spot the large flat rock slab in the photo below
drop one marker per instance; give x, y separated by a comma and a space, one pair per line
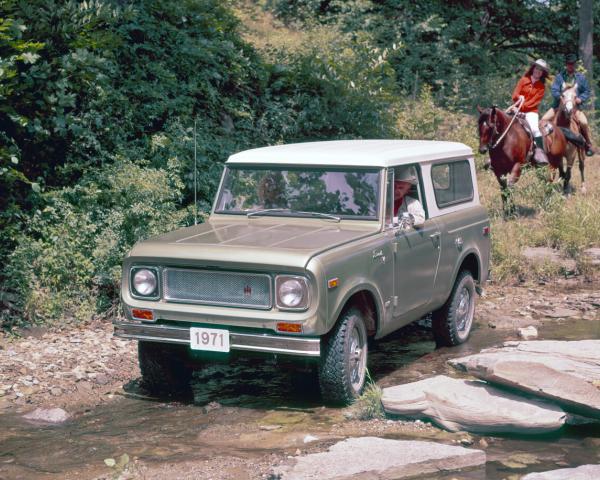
585, 472
541, 255
564, 372
471, 405
379, 458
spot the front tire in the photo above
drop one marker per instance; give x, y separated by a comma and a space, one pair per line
164, 369
343, 366
453, 321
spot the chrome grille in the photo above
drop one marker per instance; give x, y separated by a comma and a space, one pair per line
217, 288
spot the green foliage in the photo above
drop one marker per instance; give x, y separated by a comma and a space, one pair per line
67, 263
469, 52
115, 88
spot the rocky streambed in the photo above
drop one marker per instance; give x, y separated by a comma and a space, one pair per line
70, 407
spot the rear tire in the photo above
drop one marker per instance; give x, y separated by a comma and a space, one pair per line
453, 321
164, 369
343, 365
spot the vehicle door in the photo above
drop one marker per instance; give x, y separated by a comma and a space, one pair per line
464, 223
416, 257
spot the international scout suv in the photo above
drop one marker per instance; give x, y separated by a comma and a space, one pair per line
310, 250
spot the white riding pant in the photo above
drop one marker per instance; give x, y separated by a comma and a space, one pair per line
533, 119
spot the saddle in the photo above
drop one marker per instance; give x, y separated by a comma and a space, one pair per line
523, 122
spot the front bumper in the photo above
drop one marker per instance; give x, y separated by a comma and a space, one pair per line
279, 344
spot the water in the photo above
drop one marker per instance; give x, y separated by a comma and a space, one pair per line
256, 395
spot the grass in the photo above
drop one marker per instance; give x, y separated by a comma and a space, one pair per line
368, 406
544, 218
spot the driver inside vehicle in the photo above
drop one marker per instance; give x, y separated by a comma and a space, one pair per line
408, 210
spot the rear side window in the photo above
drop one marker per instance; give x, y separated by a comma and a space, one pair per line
452, 183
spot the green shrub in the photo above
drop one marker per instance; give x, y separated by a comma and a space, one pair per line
67, 264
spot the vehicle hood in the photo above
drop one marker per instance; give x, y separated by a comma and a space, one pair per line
256, 241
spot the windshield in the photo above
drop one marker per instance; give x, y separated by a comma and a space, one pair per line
289, 191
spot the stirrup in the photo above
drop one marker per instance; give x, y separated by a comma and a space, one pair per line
588, 150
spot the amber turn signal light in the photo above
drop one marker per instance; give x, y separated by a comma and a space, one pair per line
141, 314
289, 327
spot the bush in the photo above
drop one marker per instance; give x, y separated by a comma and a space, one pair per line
67, 264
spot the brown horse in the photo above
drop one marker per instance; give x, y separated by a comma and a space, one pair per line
508, 144
569, 149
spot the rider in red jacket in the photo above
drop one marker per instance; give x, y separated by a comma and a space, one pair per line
530, 90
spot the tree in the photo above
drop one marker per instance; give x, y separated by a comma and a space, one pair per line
586, 50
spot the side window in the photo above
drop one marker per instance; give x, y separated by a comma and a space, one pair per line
452, 183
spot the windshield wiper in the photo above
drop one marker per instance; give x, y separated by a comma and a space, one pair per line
312, 214
267, 210
323, 215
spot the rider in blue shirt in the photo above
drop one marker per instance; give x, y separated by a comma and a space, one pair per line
568, 77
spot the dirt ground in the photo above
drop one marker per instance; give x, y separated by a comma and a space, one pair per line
82, 368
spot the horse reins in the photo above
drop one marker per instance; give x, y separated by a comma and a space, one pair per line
520, 103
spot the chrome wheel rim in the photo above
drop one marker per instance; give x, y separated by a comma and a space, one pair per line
464, 313
357, 359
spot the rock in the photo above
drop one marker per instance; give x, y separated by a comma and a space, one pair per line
592, 255
562, 313
52, 415
209, 407
310, 438
102, 379
473, 406
563, 372
269, 428
55, 391
528, 332
510, 322
370, 457
541, 255
585, 472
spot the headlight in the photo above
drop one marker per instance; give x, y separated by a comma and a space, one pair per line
144, 282
292, 292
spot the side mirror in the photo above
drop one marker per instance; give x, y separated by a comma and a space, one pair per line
404, 222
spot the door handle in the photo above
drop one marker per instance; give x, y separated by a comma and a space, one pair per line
435, 238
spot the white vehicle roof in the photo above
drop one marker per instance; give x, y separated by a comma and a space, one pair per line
354, 153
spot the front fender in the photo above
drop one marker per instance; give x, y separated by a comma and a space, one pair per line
359, 284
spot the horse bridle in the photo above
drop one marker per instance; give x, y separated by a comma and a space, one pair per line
494, 127
495, 130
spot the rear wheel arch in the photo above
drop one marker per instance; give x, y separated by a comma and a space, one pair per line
472, 264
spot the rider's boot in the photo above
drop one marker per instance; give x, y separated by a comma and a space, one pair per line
585, 131
539, 156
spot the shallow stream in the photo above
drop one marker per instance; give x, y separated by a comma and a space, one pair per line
254, 411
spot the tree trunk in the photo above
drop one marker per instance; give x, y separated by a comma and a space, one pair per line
586, 29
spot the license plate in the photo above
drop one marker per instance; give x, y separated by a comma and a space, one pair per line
209, 339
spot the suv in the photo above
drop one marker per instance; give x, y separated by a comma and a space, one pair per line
307, 254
